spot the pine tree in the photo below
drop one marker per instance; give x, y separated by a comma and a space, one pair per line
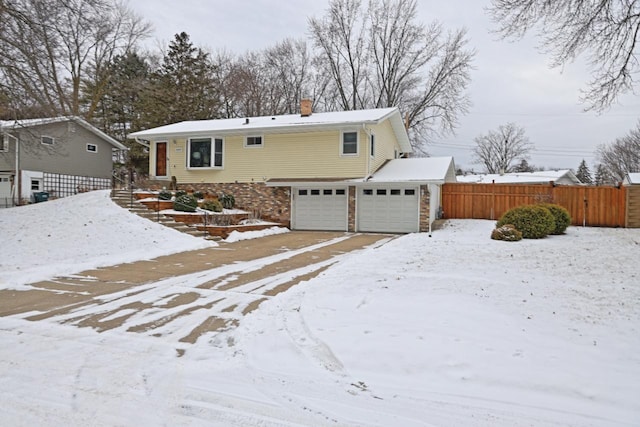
523, 166
603, 177
183, 88
583, 173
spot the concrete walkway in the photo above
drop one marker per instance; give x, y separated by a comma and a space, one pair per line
185, 295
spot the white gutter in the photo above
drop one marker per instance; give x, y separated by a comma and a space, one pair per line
141, 142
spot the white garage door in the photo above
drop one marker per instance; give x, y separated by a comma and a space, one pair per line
320, 209
389, 210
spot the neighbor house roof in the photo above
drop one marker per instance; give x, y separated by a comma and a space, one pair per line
632, 178
428, 169
283, 123
564, 176
18, 124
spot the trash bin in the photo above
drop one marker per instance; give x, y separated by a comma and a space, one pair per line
41, 196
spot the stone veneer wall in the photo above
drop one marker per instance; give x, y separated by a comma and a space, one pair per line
272, 203
425, 198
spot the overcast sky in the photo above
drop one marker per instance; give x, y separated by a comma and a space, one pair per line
511, 82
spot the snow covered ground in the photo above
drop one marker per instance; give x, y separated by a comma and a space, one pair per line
451, 330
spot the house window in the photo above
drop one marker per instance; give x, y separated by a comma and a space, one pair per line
205, 153
92, 148
4, 143
372, 145
35, 185
349, 143
47, 140
253, 141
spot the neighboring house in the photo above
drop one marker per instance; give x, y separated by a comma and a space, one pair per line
58, 155
559, 177
632, 183
314, 171
632, 178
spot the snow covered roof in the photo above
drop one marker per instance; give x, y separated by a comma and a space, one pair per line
283, 123
427, 169
564, 176
632, 178
17, 124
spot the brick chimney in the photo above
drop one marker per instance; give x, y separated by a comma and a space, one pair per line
305, 107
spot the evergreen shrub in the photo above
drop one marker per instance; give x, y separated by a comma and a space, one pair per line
560, 215
185, 203
212, 205
164, 195
198, 194
180, 193
533, 221
228, 201
507, 232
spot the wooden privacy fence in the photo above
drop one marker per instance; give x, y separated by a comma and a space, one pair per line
593, 206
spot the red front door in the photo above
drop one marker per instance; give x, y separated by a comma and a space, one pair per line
161, 159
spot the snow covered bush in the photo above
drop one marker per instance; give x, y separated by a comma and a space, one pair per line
164, 195
560, 215
507, 232
533, 221
185, 203
212, 205
198, 194
180, 193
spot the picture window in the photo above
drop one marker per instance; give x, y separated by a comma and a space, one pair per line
205, 153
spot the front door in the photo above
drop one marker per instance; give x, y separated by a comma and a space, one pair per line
161, 159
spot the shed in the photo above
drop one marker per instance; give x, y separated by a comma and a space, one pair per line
632, 183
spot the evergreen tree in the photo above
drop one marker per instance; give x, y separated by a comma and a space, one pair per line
583, 173
603, 177
183, 88
523, 166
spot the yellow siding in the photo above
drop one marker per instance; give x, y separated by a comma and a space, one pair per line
291, 156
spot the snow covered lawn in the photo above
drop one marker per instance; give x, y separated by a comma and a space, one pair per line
451, 330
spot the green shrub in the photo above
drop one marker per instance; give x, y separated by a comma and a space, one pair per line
212, 205
180, 193
164, 195
533, 221
507, 232
198, 195
185, 203
561, 217
228, 201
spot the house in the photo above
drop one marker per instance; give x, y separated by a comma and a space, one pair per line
58, 155
559, 177
314, 171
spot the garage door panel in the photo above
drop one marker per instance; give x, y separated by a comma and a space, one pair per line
320, 209
394, 210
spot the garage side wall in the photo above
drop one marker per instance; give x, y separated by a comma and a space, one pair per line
425, 200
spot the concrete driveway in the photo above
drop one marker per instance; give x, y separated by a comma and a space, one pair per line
186, 295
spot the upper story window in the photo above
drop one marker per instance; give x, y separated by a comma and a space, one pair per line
205, 153
4, 142
349, 144
47, 140
92, 148
253, 141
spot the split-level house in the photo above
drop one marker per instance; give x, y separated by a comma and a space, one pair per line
58, 155
313, 171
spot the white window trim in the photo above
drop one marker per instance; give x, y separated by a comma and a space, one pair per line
213, 154
246, 145
357, 153
53, 140
92, 151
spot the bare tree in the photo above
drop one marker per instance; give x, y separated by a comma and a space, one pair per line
621, 156
341, 37
383, 57
499, 149
606, 30
51, 48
